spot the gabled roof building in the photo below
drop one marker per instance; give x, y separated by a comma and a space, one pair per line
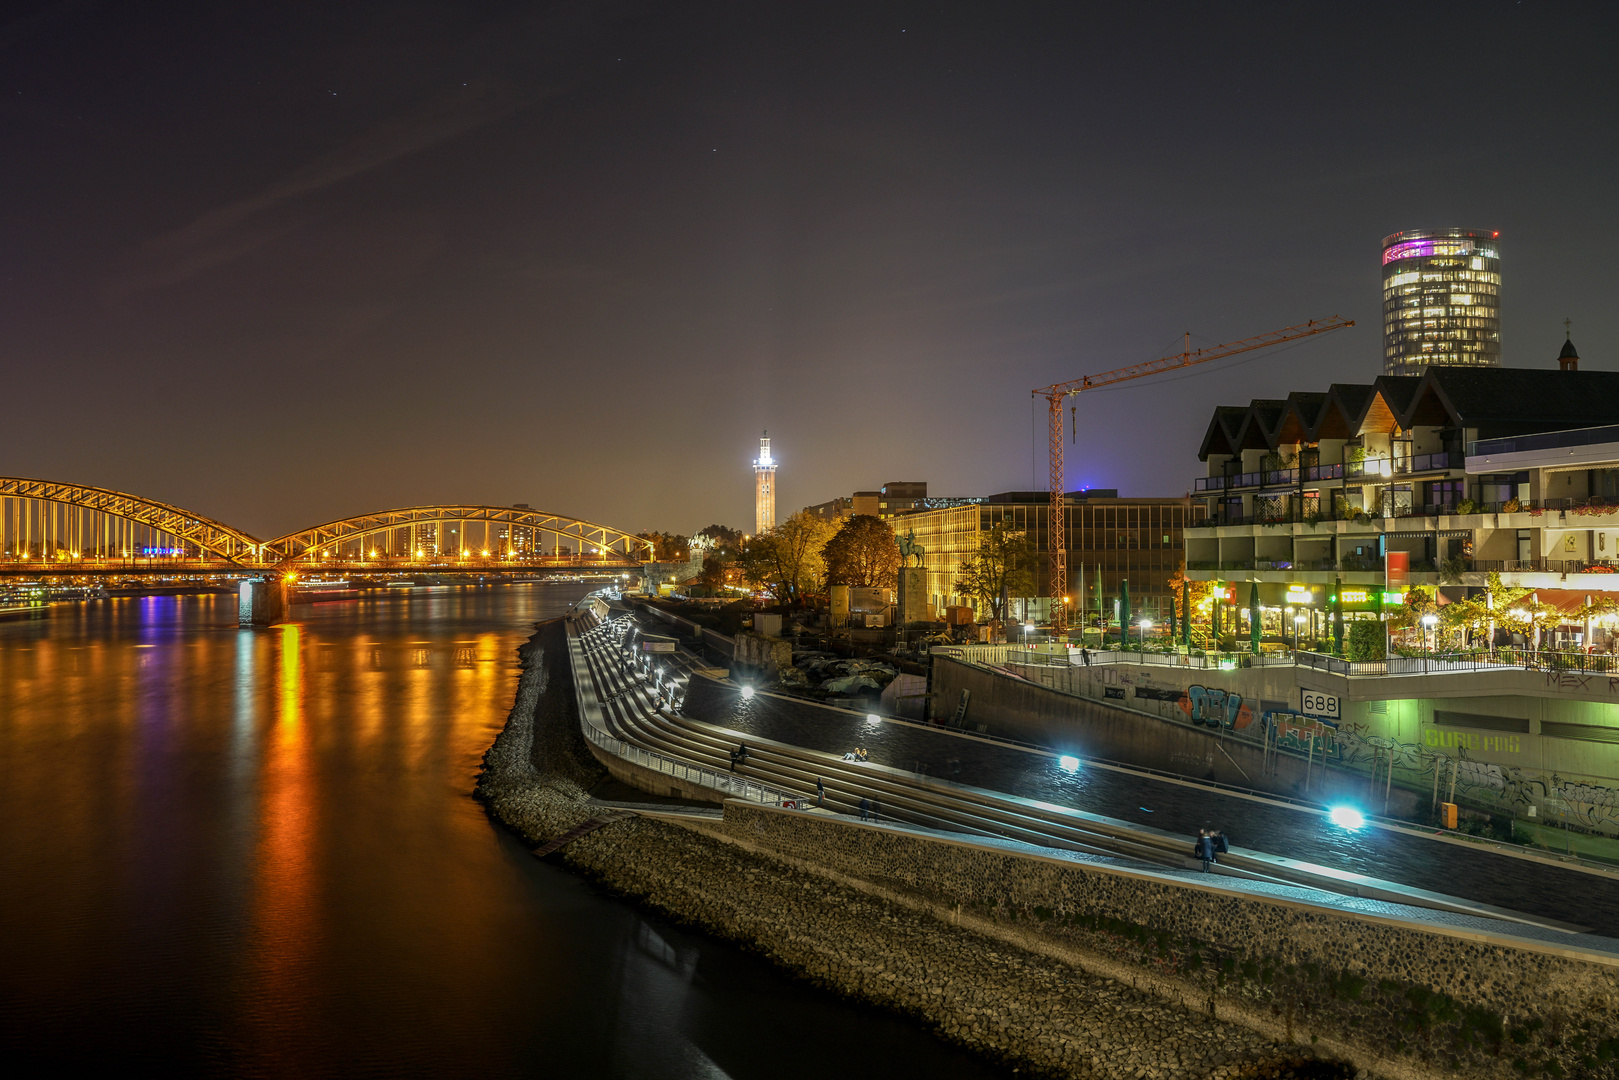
1465, 469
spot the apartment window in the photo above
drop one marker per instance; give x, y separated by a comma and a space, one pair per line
1445, 492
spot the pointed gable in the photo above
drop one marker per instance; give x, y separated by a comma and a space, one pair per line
1259, 425
1221, 437
1343, 411
1299, 418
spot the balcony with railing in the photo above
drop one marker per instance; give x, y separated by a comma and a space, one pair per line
1550, 440
1268, 478
1421, 463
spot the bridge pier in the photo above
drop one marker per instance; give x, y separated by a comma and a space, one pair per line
261, 602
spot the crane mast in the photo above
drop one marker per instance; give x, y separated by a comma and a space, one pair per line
1057, 393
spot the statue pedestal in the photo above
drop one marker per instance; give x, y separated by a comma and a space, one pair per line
913, 604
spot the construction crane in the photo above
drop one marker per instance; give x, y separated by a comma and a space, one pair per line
1057, 393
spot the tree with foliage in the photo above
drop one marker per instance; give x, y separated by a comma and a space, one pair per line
667, 547
1365, 641
863, 552
727, 542
1509, 608
712, 576
1003, 565
1201, 608
1420, 600
787, 561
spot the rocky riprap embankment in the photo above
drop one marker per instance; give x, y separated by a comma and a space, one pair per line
1030, 1011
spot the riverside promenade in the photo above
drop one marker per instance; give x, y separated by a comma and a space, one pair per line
1554, 891
1245, 947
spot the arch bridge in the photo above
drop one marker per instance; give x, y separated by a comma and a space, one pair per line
47, 527
429, 533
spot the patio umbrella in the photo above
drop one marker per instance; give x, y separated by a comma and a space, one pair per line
1124, 612
1338, 616
1253, 618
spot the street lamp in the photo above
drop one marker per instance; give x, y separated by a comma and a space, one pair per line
1026, 628
1430, 621
1298, 625
1145, 624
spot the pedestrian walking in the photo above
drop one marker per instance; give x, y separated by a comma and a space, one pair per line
1085, 655
865, 808
820, 792
733, 761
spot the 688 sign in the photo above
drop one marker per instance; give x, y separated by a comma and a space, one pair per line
1315, 703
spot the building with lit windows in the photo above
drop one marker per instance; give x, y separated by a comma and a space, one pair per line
1441, 300
1456, 474
1110, 541
892, 499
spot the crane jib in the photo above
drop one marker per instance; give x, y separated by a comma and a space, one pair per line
1057, 393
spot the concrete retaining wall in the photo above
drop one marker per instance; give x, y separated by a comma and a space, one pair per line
1451, 999
1019, 708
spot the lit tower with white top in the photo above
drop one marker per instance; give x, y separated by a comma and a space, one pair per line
764, 488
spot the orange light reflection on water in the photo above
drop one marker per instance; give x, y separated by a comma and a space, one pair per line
282, 947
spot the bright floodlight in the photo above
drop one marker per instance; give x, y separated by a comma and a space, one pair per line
747, 692
1346, 817
1068, 763
872, 718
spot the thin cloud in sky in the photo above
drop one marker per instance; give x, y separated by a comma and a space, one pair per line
235, 229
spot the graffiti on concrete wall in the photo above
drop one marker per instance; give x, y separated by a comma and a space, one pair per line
1510, 788
1351, 745
1297, 733
1215, 707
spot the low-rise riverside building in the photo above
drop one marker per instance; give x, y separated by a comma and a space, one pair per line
1460, 471
1131, 539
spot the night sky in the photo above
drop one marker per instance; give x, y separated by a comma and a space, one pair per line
283, 263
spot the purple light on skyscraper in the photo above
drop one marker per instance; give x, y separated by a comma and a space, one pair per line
1411, 249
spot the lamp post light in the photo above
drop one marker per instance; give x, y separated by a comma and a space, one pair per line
1429, 621
1145, 624
1026, 628
1298, 625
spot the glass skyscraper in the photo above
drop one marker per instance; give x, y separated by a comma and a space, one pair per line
1441, 299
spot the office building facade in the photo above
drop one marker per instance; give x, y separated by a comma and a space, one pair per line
1441, 300
1110, 541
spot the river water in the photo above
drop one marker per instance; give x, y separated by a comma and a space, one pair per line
253, 853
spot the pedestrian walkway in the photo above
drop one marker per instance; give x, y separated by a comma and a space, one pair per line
1561, 893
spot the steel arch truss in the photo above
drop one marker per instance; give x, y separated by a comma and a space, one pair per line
589, 536
213, 537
